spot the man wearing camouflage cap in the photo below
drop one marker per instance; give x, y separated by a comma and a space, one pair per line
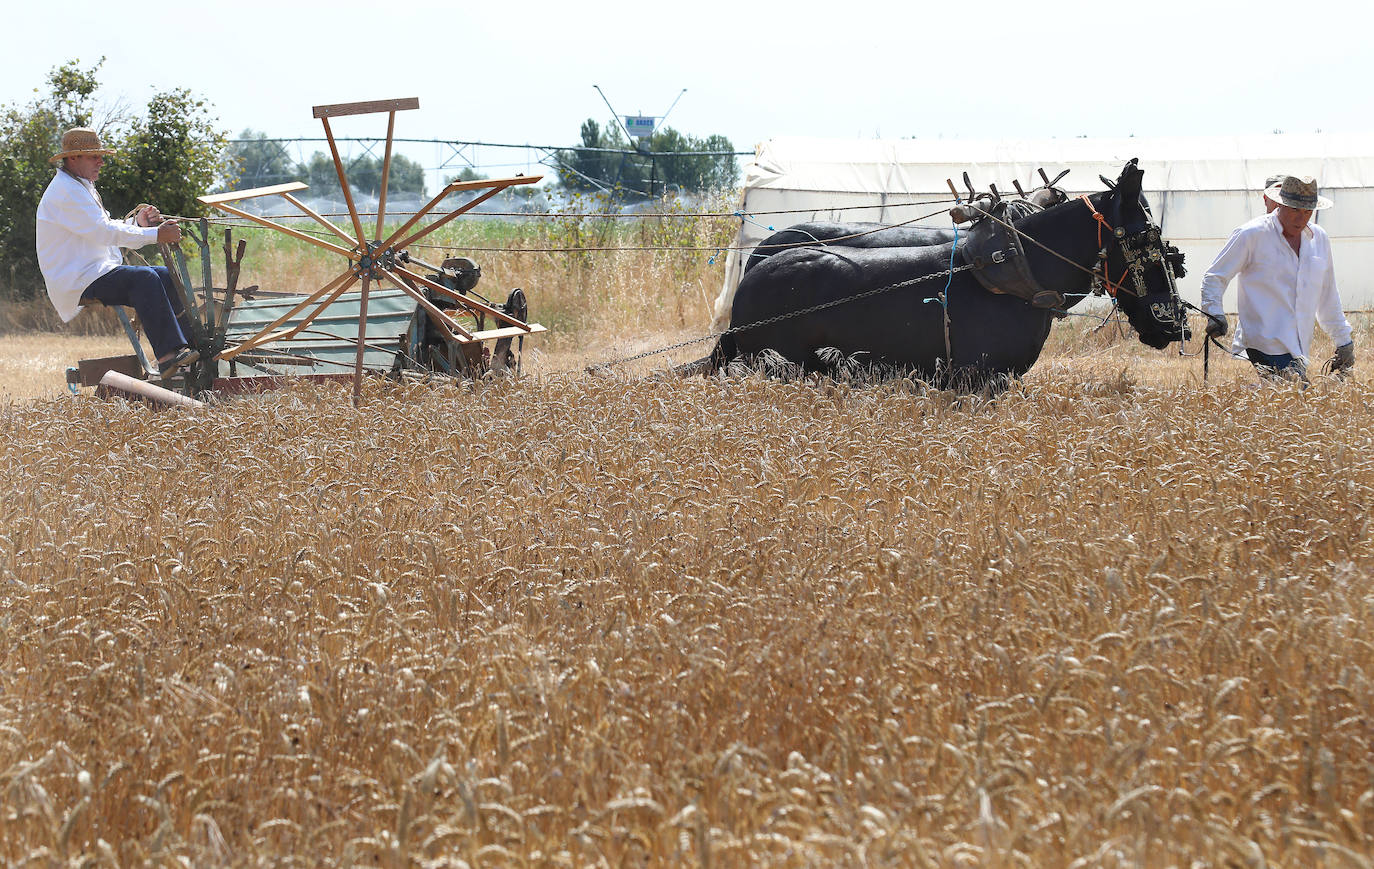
79, 251
1287, 285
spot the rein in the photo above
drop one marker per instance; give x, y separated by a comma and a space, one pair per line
1208, 342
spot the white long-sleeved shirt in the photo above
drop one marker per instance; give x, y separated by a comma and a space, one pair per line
1281, 294
78, 242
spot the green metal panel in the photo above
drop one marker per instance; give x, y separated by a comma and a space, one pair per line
331, 338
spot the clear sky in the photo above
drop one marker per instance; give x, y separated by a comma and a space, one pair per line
524, 71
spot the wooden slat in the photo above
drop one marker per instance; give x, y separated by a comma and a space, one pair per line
252, 193
455, 186
386, 175
264, 335
343, 185
507, 332
319, 218
353, 256
334, 110
310, 318
466, 207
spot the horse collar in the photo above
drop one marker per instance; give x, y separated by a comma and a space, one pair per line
998, 257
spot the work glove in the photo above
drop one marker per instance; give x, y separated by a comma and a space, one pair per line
1216, 326
1343, 361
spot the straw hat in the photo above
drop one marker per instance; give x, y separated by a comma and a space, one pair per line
78, 141
1298, 192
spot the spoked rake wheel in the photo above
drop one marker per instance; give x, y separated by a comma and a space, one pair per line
374, 257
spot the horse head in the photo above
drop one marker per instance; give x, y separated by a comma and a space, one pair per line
1136, 266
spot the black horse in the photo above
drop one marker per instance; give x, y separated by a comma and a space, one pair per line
949, 329
827, 233
823, 234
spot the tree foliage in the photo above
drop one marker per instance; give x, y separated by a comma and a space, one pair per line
167, 156
364, 175
259, 161
28, 137
667, 159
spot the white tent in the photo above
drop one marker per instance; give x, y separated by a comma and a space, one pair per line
1198, 188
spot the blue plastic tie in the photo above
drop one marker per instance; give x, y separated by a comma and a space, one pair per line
747, 219
943, 298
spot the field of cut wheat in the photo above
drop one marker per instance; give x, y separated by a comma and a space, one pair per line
1115, 617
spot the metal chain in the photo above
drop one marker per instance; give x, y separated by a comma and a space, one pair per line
777, 318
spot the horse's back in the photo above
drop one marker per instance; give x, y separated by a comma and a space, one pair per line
855, 235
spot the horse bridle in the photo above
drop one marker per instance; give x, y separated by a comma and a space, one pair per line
1140, 250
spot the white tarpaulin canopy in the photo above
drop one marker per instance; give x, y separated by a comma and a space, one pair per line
1198, 188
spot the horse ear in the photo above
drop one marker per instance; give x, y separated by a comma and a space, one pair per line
1128, 185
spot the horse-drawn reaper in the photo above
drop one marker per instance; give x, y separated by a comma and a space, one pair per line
964, 312
423, 318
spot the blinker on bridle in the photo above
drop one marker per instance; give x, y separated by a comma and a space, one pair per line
1139, 251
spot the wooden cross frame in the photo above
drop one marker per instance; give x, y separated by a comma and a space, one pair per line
376, 258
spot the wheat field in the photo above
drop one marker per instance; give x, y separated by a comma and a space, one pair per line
1115, 617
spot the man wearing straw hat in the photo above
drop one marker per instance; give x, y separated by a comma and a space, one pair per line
79, 251
1287, 284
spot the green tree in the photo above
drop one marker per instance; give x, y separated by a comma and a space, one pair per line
168, 156
680, 161
364, 175
260, 161
29, 136
606, 161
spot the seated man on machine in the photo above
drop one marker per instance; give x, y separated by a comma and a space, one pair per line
79, 252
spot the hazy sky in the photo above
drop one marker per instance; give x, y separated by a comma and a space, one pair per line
523, 71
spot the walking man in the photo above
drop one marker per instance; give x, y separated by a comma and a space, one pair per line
79, 251
1269, 204
1286, 285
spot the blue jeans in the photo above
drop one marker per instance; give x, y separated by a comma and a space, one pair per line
149, 291
1281, 366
